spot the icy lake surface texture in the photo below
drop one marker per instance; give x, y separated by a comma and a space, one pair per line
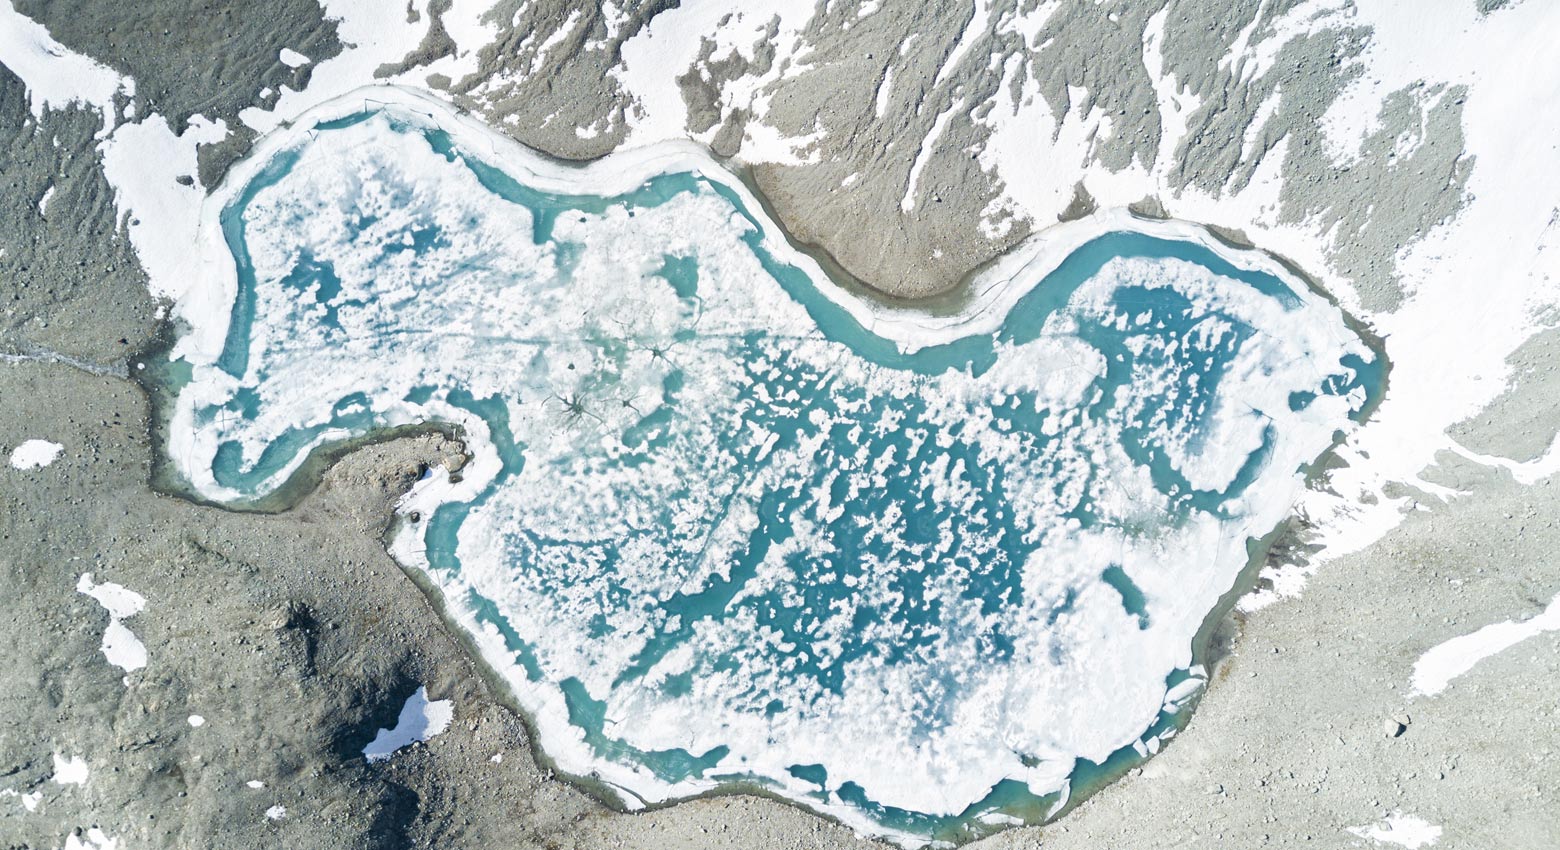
719, 530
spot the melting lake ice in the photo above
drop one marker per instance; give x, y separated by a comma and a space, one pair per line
719, 530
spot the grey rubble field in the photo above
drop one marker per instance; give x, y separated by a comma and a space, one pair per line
296, 637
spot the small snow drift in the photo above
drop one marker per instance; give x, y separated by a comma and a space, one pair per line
70, 771
91, 839
120, 645
1410, 831
420, 720
35, 454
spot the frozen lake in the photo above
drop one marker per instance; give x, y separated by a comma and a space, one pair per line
726, 523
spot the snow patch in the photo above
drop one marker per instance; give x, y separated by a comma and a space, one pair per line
973, 30
465, 23
924, 155
293, 59
669, 46
29, 801
142, 162
70, 770
35, 454
120, 646
420, 720
91, 839
54, 76
1436, 669
885, 93
376, 37
1408, 831
1176, 102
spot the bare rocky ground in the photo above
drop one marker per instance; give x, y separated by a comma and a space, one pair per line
296, 637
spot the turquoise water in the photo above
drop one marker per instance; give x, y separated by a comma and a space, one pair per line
850, 527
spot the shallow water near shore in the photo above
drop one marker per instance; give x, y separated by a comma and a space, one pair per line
725, 532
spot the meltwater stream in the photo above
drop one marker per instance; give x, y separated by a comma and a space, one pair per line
720, 531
